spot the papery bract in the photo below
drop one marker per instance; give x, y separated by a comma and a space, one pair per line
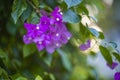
50, 33
117, 76
85, 46
113, 66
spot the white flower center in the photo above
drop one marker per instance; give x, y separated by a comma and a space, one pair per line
57, 19
57, 34
61, 13
57, 44
29, 38
68, 38
40, 42
37, 26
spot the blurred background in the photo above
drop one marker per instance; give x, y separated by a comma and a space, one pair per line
11, 45
109, 23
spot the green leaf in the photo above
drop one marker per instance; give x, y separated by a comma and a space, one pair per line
84, 32
94, 32
117, 56
38, 77
48, 59
82, 9
34, 18
113, 44
28, 50
2, 54
106, 54
21, 78
36, 2
71, 17
26, 13
19, 6
71, 3
52, 77
4, 57
3, 74
65, 60
101, 35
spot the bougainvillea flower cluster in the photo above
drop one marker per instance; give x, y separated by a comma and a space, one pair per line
117, 76
50, 33
85, 46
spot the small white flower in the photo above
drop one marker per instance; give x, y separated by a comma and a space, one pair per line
40, 42
57, 44
57, 19
57, 34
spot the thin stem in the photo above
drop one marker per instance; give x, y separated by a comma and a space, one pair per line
33, 6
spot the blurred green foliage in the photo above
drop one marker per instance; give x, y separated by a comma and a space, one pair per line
19, 61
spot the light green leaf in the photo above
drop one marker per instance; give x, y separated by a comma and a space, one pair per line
71, 17
51, 76
106, 54
117, 56
28, 50
19, 6
71, 3
38, 77
21, 78
65, 60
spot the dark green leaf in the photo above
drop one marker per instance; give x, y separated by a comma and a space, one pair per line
3, 74
106, 54
65, 60
34, 18
84, 32
71, 3
92, 53
19, 6
36, 2
71, 17
48, 59
117, 56
101, 35
4, 57
82, 9
26, 13
28, 50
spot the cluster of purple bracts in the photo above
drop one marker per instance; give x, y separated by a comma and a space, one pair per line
50, 33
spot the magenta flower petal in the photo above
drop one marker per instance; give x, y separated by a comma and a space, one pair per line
29, 26
113, 66
40, 46
85, 46
117, 76
27, 39
50, 33
50, 48
88, 43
